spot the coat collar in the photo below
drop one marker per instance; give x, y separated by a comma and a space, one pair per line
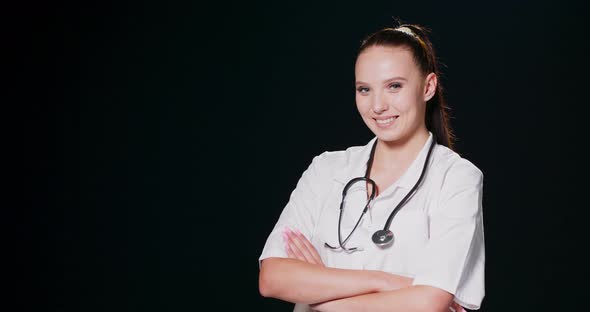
357, 165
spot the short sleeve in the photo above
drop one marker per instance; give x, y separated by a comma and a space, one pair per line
300, 212
454, 257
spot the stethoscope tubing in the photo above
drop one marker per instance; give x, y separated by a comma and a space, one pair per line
382, 237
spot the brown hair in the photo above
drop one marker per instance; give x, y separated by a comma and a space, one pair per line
416, 39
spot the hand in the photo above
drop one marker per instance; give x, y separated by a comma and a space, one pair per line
298, 247
455, 307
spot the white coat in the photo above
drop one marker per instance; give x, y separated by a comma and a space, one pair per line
438, 233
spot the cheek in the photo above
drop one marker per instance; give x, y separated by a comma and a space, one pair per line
362, 103
407, 102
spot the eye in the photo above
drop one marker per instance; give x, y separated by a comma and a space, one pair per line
362, 90
395, 86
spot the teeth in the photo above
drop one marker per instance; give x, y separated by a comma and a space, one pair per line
388, 120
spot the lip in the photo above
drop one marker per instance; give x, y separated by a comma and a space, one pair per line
387, 117
386, 125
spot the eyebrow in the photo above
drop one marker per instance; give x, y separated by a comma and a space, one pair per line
384, 82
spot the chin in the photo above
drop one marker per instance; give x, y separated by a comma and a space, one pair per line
386, 135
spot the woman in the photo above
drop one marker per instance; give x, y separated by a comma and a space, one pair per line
409, 232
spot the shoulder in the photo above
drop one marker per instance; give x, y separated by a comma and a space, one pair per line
460, 185
456, 170
333, 161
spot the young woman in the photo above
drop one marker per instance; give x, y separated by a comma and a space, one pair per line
396, 224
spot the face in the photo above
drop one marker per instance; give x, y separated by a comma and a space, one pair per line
391, 92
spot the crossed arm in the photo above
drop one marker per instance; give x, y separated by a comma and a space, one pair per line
304, 278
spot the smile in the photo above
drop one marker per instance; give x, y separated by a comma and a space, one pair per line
385, 122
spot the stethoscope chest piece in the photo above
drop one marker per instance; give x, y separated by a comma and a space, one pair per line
383, 238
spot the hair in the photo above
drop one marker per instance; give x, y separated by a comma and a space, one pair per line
417, 41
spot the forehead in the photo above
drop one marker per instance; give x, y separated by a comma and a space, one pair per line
379, 62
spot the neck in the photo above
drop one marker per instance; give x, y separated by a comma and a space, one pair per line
399, 153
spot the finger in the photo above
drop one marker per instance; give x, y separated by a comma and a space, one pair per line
298, 247
294, 245
291, 248
288, 250
310, 248
306, 248
456, 307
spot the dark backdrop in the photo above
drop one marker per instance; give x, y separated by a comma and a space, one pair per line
163, 139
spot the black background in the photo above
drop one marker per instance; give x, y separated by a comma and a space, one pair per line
163, 139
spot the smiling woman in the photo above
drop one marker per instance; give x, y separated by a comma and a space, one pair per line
396, 224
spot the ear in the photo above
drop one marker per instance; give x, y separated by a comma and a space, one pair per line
430, 85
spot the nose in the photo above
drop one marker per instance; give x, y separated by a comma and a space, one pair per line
379, 105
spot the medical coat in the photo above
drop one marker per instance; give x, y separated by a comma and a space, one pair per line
438, 233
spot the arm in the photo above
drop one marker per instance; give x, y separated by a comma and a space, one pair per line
299, 249
410, 299
303, 277
298, 281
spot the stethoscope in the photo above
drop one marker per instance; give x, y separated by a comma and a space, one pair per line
382, 238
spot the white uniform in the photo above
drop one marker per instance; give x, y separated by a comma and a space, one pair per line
438, 233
